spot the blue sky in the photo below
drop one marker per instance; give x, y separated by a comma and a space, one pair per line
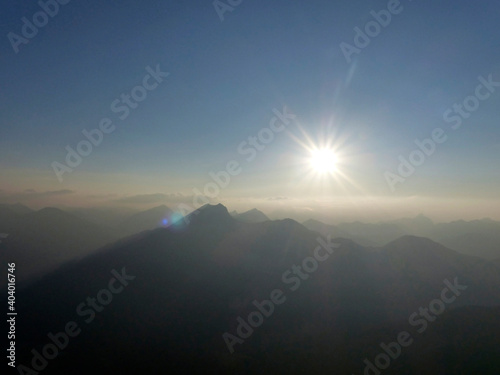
225, 80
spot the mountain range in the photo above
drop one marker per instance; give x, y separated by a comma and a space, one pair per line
477, 237
43, 240
188, 287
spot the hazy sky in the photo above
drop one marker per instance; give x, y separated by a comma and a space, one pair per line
228, 79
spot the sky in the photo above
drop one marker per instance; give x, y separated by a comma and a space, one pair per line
201, 77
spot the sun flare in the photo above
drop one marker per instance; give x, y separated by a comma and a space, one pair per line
323, 161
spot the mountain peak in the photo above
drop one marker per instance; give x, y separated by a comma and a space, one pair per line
211, 218
213, 208
209, 212
422, 218
252, 216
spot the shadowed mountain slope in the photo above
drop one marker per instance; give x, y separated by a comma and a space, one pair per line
189, 283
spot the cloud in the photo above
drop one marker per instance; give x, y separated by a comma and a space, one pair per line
29, 194
102, 196
50, 193
277, 198
156, 198
143, 199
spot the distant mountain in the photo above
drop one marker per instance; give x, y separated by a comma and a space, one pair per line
417, 226
109, 217
186, 285
378, 233
251, 216
425, 262
326, 229
485, 245
150, 219
477, 237
17, 208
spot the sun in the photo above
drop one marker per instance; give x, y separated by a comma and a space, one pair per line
323, 161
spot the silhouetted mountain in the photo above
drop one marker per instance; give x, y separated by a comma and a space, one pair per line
189, 283
251, 216
108, 217
378, 233
332, 230
17, 208
478, 237
210, 216
41, 240
417, 226
7, 218
424, 262
150, 219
